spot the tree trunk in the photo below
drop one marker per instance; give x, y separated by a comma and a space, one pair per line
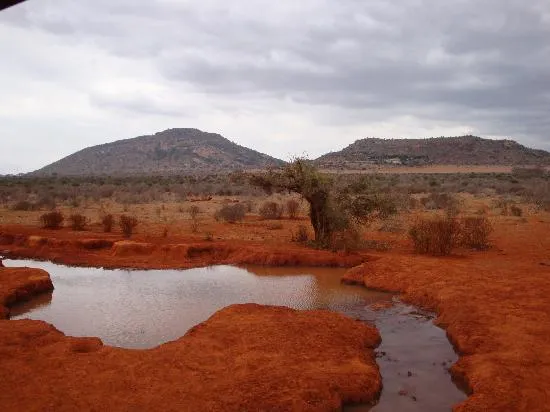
318, 206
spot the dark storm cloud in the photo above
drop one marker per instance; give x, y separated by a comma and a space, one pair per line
482, 63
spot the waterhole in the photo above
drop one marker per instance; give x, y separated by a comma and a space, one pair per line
144, 308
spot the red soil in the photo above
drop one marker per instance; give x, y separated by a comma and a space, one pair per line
20, 284
244, 358
112, 251
493, 304
495, 307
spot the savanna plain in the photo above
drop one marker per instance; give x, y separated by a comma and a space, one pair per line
472, 247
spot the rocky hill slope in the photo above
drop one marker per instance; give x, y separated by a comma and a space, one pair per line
169, 152
463, 150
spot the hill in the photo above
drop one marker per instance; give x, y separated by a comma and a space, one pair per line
169, 152
463, 150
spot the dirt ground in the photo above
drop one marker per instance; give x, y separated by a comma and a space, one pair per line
494, 304
495, 307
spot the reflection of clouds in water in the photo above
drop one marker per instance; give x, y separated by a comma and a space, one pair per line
142, 308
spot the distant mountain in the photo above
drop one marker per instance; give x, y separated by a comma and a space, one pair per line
169, 152
463, 150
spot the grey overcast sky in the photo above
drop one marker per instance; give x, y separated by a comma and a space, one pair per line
283, 77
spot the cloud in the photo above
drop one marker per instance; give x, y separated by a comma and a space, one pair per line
316, 73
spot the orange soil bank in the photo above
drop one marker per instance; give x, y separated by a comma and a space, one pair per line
244, 358
114, 252
495, 307
20, 284
493, 304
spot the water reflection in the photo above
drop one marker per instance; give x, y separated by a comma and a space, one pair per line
44, 299
144, 308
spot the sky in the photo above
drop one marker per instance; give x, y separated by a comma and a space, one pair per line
282, 77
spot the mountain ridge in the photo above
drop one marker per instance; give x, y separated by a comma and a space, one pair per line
191, 151
459, 150
172, 151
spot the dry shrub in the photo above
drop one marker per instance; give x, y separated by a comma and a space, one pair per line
528, 172
292, 207
231, 213
435, 236
52, 220
392, 226
46, 202
271, 210
128, 224
194, 211
504, 205
439, 235
249, 205
108, 221
541, 197
301, 235
78, 221
23, 206
439, 201
516, 211
475, 232
347, 240
378, 245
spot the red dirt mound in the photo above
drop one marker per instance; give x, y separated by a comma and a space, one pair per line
20, 284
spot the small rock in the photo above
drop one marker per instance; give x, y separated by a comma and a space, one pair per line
403, 392
409, 374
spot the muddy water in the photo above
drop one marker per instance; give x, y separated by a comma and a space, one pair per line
142, 309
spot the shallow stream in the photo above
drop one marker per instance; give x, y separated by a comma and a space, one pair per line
145, 308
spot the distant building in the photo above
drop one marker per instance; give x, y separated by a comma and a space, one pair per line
393, 161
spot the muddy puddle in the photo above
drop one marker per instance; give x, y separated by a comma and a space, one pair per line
144, 308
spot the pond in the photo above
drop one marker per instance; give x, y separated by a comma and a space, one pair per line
144, 308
